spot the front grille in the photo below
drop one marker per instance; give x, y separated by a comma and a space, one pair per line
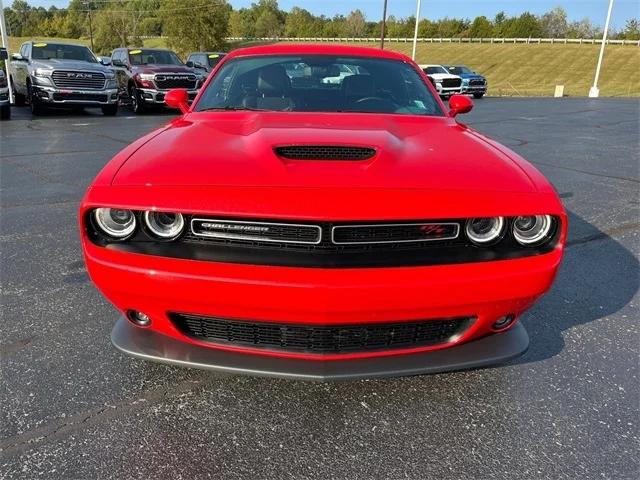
324, 237
394, 233
451, 82
172, 80
324, 152
321, 339
476, 82
86, 97
78, 80
229, 230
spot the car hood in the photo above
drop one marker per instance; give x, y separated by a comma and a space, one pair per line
61, 64
237, 149
471, 76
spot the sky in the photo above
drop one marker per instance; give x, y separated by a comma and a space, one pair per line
595, 10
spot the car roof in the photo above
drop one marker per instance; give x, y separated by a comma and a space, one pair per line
208, 53
316, 49
56, 42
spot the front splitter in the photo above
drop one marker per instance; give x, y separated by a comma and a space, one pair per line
149, 345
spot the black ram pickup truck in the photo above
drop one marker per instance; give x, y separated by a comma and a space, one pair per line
145, 75
46, 74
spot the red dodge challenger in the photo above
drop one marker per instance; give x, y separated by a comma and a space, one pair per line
319, 213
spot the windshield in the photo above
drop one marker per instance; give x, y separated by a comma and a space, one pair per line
214, 58
459, 70
319, 83
432, 70
46, 51
157, 57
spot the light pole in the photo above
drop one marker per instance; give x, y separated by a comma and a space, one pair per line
594, 91
384, 25
87, 4
415, 32
5, 44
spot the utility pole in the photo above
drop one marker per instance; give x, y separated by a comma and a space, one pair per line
384, 25
594, 92
5, 44
87, 4
415, 32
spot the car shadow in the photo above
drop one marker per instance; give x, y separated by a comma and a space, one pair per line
598, 277
23, 113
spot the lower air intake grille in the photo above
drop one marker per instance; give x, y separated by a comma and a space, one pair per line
324, 152
335, 339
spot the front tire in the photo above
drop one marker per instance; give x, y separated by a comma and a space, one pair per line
137, 104
5, 112
36, 107
478, 95
110, 110
18, 98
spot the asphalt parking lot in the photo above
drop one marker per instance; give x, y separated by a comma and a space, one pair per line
75, 408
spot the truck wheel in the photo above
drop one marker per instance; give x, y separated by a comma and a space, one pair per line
137, 104
478, 95
5, 112
110, 110
18, 99
36, 107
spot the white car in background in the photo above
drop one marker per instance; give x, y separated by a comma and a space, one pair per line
446, 83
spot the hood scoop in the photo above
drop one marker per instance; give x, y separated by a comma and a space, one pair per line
324, 152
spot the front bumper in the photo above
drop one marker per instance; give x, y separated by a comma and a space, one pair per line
447, 90
152, 96
159, 285
149, 345
474, 89
4, 97
59, 96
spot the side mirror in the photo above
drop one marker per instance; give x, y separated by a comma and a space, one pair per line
17, 57
459, 104
190, 64
177, 98
199, 65
106, 61
3, 54
117, 63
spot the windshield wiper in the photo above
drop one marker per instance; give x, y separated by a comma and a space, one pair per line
230, 108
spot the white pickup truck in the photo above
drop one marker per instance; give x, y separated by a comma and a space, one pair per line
446, 83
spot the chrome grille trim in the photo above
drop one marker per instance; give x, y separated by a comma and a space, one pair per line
73, 79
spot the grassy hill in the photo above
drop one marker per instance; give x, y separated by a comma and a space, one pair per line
520, 69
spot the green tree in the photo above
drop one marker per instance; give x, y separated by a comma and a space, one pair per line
631, 30
526, 25
269, 19
481, 27
242, 23
300, 23
192, 25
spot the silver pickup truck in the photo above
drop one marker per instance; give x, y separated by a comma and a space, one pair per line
46, 74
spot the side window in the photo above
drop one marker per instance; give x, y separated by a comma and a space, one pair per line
23, 50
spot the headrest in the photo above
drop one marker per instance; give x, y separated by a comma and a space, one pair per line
358, 86
273, 81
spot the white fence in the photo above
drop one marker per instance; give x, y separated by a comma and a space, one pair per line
588, 41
